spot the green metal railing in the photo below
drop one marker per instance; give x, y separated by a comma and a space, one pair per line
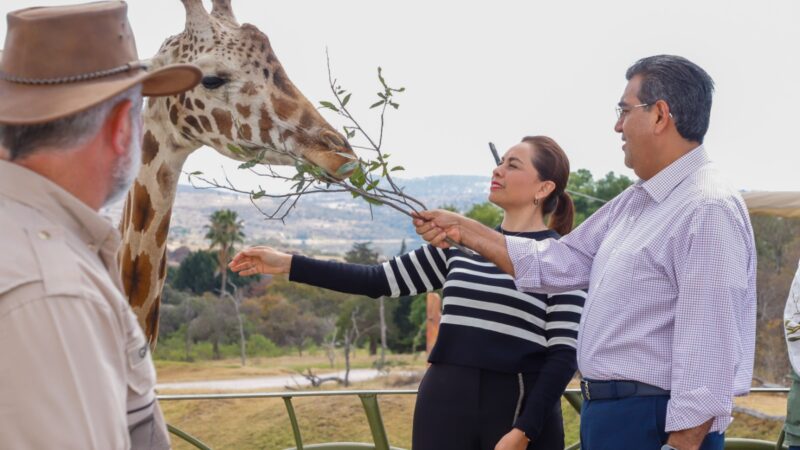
380, 440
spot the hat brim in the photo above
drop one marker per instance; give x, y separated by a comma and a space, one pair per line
25, 104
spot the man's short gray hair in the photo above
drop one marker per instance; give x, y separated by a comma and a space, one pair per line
67, 132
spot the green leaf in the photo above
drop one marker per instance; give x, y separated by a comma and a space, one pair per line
373, 201
397, 168
372, 185
357, 178
257, 195
236, 150
248, 164
329, 105
380, 77
395, 105
351, 134
196, 172
375, 105
346, 99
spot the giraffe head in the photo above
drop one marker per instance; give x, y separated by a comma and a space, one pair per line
245, 103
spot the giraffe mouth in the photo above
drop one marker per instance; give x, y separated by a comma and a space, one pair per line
333, 154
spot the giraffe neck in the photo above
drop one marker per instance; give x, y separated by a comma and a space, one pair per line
146, 216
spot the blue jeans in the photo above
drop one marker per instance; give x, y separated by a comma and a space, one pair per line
632, 423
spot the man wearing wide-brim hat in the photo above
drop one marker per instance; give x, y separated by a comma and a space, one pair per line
75, 371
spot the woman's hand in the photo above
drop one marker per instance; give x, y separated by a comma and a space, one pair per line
513, 440
436, 225
260, 259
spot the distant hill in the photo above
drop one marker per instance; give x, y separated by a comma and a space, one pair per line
327, 223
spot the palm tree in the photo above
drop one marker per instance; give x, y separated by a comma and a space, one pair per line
224, 232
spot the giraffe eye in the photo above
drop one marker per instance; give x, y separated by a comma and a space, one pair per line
212, 82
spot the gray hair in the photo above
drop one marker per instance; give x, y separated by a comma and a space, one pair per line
68, 132
684, 85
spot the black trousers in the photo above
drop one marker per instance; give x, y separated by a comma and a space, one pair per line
462, 408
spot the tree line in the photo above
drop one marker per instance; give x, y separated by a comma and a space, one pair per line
209, 312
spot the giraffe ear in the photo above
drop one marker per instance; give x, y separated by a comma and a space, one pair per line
196, 14
222, 10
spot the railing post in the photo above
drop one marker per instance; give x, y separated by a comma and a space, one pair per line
370, 402
575, 400
188, 437
293, 420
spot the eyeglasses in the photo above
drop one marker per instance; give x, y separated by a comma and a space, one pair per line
623, 111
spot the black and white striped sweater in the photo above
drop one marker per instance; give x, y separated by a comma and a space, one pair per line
486, 322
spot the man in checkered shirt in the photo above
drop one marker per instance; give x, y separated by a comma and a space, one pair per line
667, 336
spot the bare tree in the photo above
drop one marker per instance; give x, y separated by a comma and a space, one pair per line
351, 336
330, 342
382, 314
236, 299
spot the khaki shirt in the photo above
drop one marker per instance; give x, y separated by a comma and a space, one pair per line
75, 370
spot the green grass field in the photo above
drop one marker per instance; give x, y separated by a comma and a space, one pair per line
264, 424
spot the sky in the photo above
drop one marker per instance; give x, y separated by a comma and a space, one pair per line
498, 71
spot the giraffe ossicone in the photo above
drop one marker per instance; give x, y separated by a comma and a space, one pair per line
246, 106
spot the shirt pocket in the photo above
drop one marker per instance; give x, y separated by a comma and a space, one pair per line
141, 373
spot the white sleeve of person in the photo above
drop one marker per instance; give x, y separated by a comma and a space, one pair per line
791, 322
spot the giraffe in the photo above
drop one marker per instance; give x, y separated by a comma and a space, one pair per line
244, 105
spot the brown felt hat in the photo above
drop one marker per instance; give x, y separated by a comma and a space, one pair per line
61, 60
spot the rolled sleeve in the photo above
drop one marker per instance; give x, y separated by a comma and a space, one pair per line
552, 266
708, 343
524, 256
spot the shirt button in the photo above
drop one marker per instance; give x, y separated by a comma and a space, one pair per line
44, 235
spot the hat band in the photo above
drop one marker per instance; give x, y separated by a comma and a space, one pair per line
74, 78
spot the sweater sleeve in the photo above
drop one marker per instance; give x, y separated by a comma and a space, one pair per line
563, 316
412, 273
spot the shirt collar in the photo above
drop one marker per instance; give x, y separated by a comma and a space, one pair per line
28, 187
662, 183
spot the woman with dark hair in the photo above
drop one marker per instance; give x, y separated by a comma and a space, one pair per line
502, 358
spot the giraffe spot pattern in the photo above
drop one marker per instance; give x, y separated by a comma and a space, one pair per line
136, 277
163, 229
142, 212
206, 123
149, 148
284, 108
282, 82
194, 123
264, 125
173, 115
249, 88
243, 110
199, 104
224, 121
306, 120
151, 322
245, 132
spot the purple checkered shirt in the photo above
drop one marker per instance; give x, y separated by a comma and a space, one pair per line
670, 265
